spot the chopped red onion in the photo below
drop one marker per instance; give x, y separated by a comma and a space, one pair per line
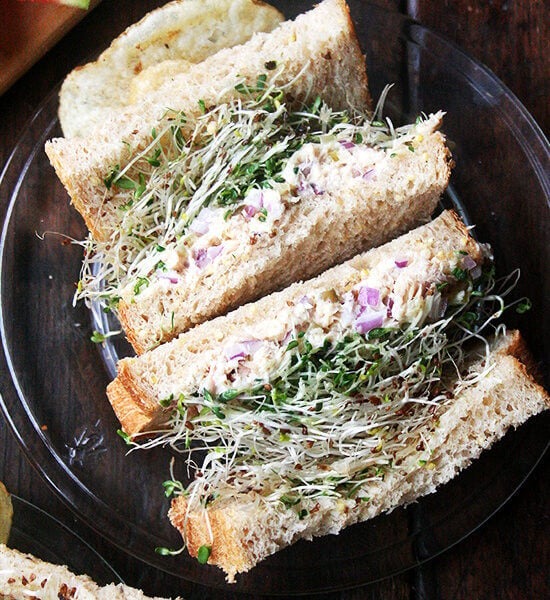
347, 144
368, 175
201, 223
389, 303
242, 349
439, 306
370, 321
170, 276
468, 263
476, 272
250, 211
368, 296
316, 189
204, 256
305, 168
254, 201
401, 263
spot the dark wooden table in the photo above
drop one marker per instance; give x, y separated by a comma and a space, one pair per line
509, 556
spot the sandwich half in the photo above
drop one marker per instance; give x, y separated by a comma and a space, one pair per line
317, 54
248, 218
23, 577
164, 44
334, 400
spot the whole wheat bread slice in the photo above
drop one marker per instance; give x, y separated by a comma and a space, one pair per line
318, 53
160, 46
242, 530
142, 381
23, 576
351, 216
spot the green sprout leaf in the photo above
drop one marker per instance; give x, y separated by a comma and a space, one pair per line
204, 554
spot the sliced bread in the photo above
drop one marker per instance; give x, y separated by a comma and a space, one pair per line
159, 47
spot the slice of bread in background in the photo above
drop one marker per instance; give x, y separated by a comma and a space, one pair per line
160, 46
22, 576
318, 53
242, 530
316, 233
142, 381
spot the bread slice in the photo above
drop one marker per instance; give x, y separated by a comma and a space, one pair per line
183, 363
319, 231
23, 576
318, 54
160, 46
242, 530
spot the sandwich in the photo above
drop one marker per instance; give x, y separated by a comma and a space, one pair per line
23, 576
270, 183
164, 44
317, 54
334, 400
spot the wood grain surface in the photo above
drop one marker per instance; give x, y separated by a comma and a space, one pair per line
508, 557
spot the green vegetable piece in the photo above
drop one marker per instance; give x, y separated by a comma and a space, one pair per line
170, 487
289, 501
141, 281
524, 306
218, 412
378, 332
459, 273
141, 187
97, 337
124, 436
166, 402
270, 65
125, 183
227, 395
204, 554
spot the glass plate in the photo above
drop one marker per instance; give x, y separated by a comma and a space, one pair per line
58, 376
36, 532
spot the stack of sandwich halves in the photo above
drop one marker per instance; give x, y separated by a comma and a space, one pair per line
216, 171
